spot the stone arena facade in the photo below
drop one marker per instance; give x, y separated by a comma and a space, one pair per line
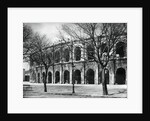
85, 70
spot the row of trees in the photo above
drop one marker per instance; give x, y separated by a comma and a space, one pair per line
102, 38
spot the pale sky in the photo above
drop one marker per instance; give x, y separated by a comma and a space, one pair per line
49, 29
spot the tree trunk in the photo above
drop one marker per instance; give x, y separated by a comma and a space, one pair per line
45, 88
104, 85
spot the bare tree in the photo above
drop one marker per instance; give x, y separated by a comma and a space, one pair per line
28, 42
27, 33
101, 37
37, 51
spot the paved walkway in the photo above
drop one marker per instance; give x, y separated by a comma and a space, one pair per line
65, 91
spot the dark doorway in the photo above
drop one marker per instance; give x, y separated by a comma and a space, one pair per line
38, 77
77, 76
27, 78
57, 77
90, 76
66, 77
49, 77
120, 76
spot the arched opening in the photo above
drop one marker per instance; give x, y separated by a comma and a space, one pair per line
66, 77
38, 77
77, 53
57, 77
120, 76
43, 76
77, 76
107, 76
50, 57
49, 77
120, 49
104, 48
66, 55
27, 77
57, 56
90, 52
90, 77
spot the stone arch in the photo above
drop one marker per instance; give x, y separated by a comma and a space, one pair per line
90, 76
77, 76
104, 48
49, 77
50, 56
57, 77
120, 49
66, 76
90, 52
77, 53
38, 77
27, 77
57, 56
120, 76
66, 55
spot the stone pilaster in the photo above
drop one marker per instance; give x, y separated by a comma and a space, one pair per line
96, 75
82, 76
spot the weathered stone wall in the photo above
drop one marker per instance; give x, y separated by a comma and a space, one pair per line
81, 65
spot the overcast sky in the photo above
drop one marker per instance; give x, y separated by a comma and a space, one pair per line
49, 29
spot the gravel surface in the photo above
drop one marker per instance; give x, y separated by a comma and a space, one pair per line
32, 90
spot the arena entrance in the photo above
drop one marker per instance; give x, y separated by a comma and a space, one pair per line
90, 77
57, 77
77, 76
120, 76
66, 77
49, 77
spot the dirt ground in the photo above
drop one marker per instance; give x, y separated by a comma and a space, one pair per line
32, 90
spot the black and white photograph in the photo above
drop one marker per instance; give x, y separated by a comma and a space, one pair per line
75, 60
